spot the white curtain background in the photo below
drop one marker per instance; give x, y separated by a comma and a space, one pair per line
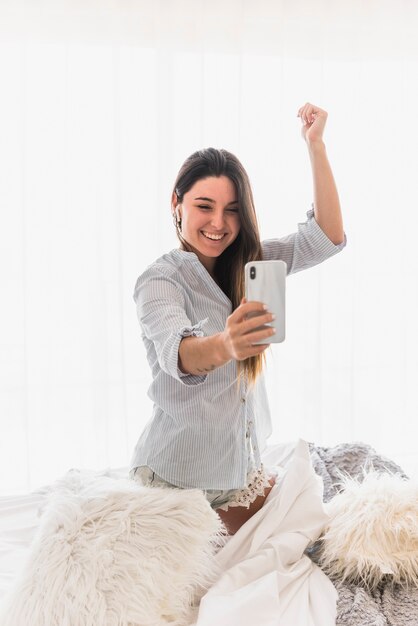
101, 102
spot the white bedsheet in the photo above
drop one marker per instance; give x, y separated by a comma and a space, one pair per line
18, 522
266, 580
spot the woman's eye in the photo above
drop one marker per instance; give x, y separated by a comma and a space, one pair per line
202, 206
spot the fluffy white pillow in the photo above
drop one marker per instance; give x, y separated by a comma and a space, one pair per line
373, 531
109, 552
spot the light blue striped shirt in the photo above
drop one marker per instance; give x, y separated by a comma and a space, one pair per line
200, 425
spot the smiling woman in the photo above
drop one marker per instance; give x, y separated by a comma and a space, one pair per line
211, 415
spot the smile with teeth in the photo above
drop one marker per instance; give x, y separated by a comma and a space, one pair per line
213, 237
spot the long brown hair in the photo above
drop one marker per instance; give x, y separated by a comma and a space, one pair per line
229, 266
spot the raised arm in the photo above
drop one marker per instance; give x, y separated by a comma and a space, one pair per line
327, 208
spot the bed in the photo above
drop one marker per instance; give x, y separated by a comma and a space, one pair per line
269, 572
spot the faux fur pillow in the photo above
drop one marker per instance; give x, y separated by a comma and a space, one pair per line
373, 531
110, 552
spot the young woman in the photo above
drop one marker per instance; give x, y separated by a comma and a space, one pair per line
210, 418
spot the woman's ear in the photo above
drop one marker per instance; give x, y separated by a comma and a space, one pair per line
175, 211
175, 206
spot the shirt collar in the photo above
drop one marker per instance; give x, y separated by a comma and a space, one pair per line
202, 271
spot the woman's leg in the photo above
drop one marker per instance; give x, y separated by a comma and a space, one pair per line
235, 516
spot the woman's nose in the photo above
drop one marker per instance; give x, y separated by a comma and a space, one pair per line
217, 221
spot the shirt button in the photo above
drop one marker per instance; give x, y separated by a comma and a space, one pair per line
242, 399
250, 423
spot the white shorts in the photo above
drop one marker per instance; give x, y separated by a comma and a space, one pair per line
257, 481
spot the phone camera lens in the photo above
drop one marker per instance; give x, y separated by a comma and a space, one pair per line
252, 272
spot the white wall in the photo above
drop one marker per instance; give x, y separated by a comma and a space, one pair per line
101, 104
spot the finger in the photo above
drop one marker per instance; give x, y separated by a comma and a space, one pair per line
309, 112
240, 312
259, 349
313, 112
302, 113
252, 338
254, 322
255, 350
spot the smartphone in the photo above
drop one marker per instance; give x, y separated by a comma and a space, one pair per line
265, 281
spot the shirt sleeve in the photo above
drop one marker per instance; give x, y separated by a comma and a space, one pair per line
303, 249
161, 313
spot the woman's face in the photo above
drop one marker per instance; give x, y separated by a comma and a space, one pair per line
209, 208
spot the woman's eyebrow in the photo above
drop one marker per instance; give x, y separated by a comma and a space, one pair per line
210, 200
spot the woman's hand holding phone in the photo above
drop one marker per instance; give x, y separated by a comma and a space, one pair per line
239, 335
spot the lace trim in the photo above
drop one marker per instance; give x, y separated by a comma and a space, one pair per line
257, 482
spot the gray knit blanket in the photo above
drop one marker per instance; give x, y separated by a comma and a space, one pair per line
389, 605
